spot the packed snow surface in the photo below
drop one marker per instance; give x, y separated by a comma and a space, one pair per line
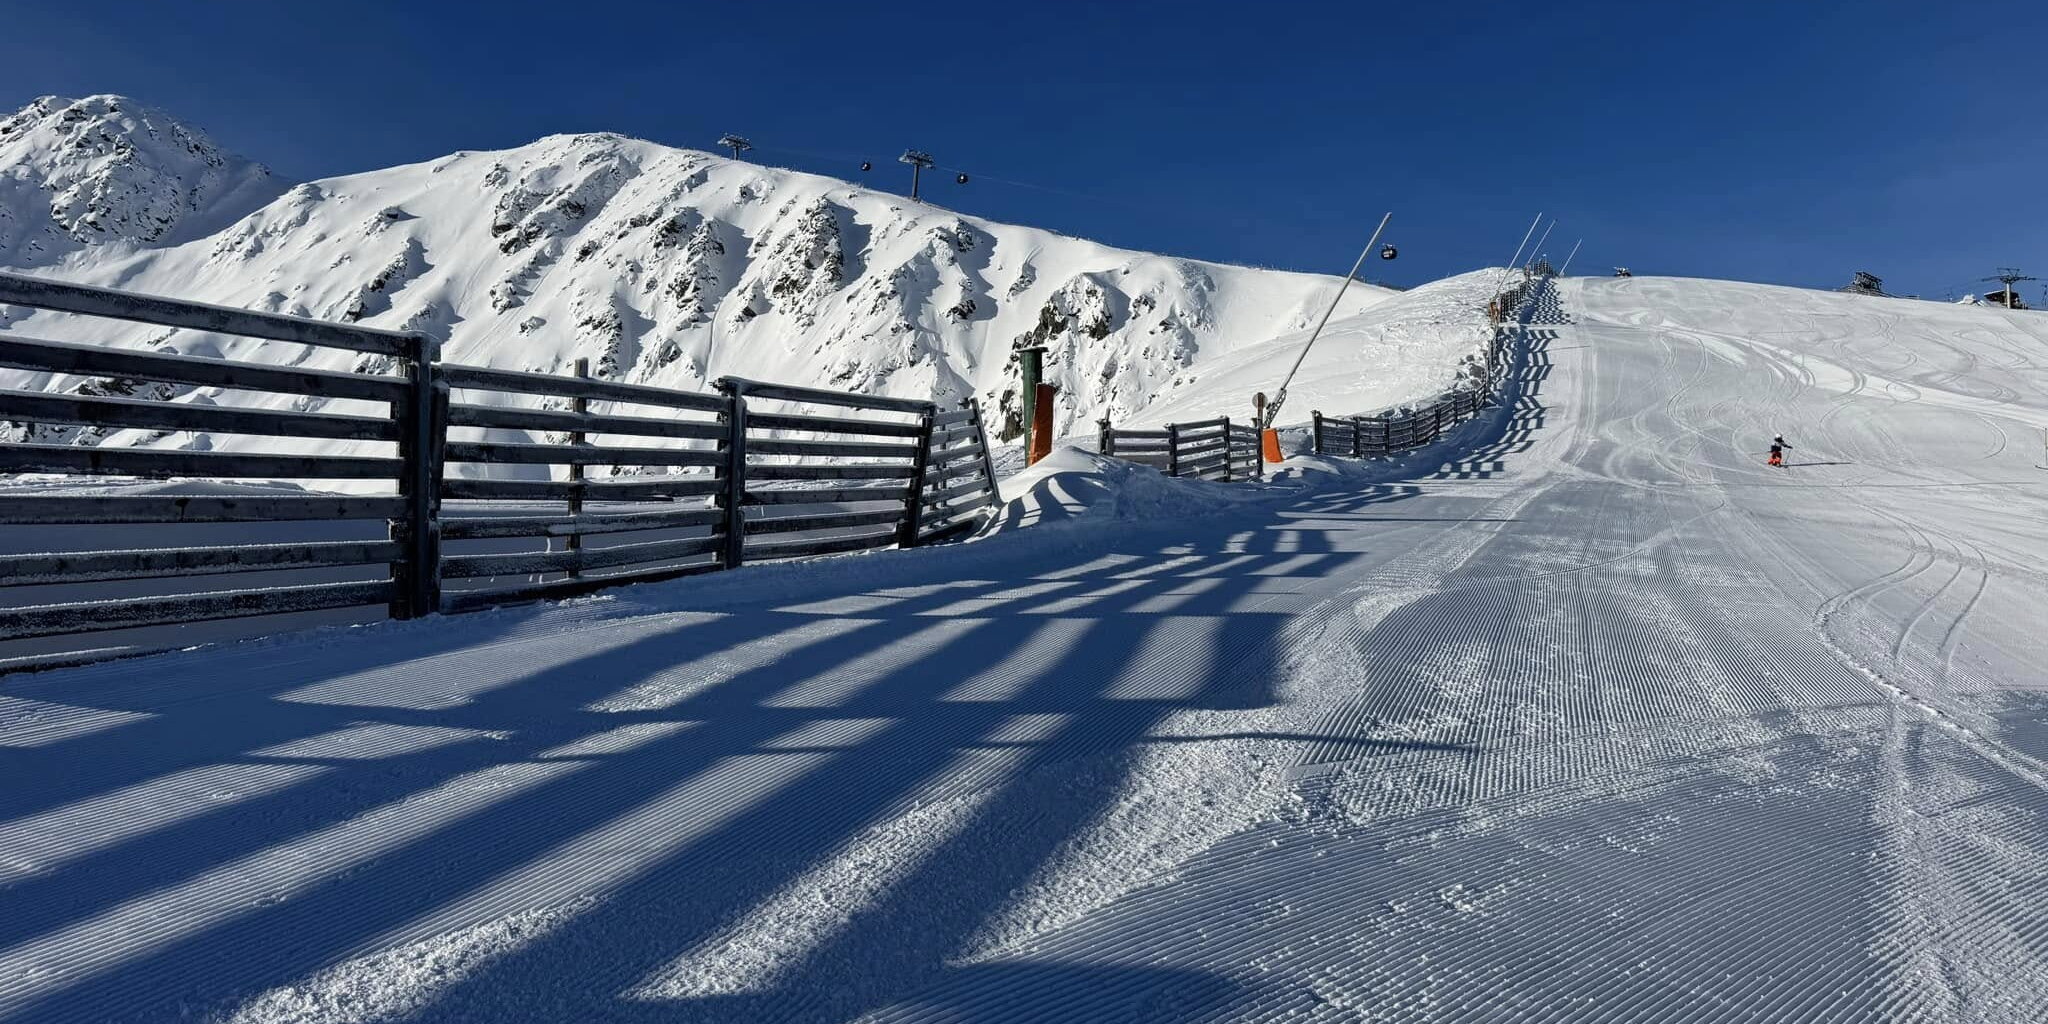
1586, 714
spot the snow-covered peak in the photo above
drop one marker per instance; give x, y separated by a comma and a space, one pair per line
105, 171
659, 265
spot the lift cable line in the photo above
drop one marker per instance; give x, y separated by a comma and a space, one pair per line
828, 162
1280, 396
2010, 276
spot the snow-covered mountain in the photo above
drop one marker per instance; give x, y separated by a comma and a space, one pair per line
106, 175
660, 265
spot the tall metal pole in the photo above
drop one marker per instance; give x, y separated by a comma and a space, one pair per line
1280, 396
918, 160
1517, 257
1533, 253
1568, 259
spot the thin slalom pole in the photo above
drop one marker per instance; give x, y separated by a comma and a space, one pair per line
1568, 259
1280, 397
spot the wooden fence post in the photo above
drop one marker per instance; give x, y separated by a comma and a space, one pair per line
732, 497
988, 461
422, 436
1228, 441
1173, 449
1105, 438
1357, 437
581, 407
1315, 416
913, 509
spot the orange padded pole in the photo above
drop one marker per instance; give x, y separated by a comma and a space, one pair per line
1041, 425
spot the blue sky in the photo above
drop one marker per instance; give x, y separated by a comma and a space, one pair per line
1791, 142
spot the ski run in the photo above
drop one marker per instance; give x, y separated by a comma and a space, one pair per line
1583, 714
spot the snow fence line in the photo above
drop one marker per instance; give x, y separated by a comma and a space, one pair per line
481, 492
1217, 450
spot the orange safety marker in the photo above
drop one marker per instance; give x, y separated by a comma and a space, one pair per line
1269, 444
1041, 428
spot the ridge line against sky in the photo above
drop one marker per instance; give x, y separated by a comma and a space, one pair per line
1786, 143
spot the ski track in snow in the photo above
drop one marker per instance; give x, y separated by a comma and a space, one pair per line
1587, 715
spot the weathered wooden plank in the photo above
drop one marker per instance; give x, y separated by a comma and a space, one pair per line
956, 471
156, 464
820, 396
843, 471
830, 425
988, 462
1194, 425
43, 293
588, 524
638, 488
96, 360
827, 546
820, 495
952, 510
589, 423
967, 461
849, 449
178, 508
474, 600
953, 455
91, 616
529, 562
824, 521
1123, 434
949, 435
41, 407
483, 378
578, 455
934, 497
939, 533
946, 419
92, 566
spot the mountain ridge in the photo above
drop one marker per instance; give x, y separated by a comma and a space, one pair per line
659, 265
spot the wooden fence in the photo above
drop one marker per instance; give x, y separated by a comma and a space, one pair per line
1371, 437
1207, 449
484, 486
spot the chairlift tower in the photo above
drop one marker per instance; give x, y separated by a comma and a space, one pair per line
735, 143
918, 160
2009, 276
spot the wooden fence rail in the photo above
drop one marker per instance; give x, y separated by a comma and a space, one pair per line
486, 485
1205, 449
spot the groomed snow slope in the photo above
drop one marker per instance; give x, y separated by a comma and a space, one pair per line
1594, 717
1406, 348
